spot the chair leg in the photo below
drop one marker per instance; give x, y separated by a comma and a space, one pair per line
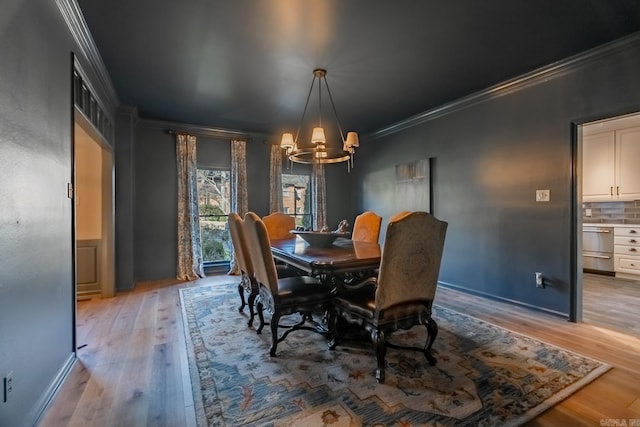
378, 340
275, 319
432, 332
252, 299
261, 317
241, 292
332, 323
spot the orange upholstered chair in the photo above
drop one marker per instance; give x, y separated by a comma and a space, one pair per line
279, 225
366, 227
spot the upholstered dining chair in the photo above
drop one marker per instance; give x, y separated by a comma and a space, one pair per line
281, 296
402, 294
279, 225
241, 252
366, 227
242, 255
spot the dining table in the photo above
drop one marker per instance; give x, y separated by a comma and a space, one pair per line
344, 256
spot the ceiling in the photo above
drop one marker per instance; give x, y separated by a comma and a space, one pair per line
247, 64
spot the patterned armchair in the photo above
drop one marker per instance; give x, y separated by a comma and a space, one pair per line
402, 294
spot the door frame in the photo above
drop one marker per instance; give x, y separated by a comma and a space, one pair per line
577, 276
107, 248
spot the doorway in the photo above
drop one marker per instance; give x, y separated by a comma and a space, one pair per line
609, 208
94, 215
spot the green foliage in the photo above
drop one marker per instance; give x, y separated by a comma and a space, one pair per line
216, 242
211, 210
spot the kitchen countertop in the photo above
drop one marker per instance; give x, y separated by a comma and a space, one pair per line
598, 224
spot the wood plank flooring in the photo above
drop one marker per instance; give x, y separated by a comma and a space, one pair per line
133, 371
612, 303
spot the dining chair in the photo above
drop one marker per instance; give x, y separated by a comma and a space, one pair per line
366, 227
279, 225
401, 296
282, 296
243, 259
242, 255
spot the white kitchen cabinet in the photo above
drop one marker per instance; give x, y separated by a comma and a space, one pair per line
626, 252
598, 166
628, 164
611, 165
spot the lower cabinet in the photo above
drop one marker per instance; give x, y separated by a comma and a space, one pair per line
626, 252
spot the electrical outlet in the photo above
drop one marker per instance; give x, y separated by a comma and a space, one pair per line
8, 386
543, 195
539, 282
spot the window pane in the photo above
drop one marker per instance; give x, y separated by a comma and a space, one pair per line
296, 198
214, 205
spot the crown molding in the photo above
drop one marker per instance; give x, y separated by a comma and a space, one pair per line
541, 75
201, 131
74, 18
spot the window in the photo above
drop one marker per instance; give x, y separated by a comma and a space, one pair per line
296, 198
214, 205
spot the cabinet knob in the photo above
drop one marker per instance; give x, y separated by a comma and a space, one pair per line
633, 250
632, 231
632, 240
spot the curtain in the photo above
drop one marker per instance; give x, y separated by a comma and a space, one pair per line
275, 180
190, 265
319, 201
239, 200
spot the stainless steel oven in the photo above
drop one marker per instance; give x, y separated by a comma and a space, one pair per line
597, 248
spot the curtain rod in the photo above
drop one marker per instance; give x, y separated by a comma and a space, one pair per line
211, 133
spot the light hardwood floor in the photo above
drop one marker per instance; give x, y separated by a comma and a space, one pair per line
612, 303
133, 370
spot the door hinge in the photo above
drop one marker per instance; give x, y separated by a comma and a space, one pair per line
69, 190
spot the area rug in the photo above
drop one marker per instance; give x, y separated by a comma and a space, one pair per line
485, 375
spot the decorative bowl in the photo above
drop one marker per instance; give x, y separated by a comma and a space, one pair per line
320, 239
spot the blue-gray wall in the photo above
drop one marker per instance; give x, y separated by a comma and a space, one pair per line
489, 159
37, 300
154, 183
491, 156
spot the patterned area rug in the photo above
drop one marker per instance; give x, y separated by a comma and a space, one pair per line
485, 375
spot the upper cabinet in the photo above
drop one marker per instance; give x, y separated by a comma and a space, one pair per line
628, 164
611, 165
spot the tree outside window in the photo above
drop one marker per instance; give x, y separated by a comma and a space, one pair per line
214, 205
296, 198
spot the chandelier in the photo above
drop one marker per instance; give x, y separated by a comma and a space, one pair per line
317, 150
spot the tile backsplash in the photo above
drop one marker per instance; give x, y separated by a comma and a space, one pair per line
612, 212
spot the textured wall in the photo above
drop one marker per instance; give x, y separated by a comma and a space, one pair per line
489, 159
36, 276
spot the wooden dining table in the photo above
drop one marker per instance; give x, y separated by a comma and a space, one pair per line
344, 256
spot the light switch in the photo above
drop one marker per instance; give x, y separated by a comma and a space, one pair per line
543, 195
587, 212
